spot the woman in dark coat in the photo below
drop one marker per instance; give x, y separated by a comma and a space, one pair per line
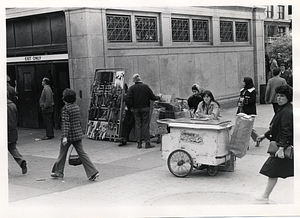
247, 103
281, 131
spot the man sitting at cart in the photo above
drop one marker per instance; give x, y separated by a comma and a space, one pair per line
208, 108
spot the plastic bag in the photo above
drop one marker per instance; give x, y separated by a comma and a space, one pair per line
240, 137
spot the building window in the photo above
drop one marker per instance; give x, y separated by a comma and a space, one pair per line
200, 30
226, 31
290, 10
241, 29
281, 31
270, 11
280, 12
180, 30
118, 28
146, 29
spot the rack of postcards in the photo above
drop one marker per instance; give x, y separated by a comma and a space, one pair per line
106, 105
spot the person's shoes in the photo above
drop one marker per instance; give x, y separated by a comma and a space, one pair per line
94, 177
122, 143
260, 198
148, 145
47, 137
57, 176
257, 144
24, 167
139, 146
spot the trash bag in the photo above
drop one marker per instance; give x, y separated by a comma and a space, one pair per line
240, 137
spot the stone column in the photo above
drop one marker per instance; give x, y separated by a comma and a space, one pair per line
86, 51
259, 47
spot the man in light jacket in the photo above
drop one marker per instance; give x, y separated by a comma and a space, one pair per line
273, 83
47, 106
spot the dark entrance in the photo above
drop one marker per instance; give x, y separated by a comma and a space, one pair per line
29, 86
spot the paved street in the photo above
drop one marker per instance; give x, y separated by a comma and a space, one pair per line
137, 182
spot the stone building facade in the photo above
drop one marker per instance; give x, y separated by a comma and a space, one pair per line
171, 48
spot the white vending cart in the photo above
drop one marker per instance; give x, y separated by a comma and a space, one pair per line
197, 143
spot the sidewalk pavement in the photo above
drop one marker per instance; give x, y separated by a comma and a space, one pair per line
137, 179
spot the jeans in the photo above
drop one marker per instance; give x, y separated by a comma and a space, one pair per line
142, 124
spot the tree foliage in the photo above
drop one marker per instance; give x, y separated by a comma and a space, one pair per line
282, 45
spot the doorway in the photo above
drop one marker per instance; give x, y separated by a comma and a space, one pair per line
29, 83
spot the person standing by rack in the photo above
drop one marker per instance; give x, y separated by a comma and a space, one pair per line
128, 121
140, 96
47, 106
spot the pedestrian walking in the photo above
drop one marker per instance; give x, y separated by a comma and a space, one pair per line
47, 106
72, 134
273, 83
273, 64
285, 74
196, 98
281, 133
12, 94
128, 120
140, 95
12, 137
247, 103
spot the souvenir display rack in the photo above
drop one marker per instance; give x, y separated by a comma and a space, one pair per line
106, 105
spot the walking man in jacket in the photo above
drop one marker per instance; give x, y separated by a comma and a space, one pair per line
140, 95
47, 106
12, 137
273, 83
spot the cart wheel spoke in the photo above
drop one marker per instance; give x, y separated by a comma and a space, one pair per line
180, 163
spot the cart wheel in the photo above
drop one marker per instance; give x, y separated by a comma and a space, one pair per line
180, 163
212, 170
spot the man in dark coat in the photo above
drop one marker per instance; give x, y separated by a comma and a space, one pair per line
140, 96
12, 95
12, 137
285, 74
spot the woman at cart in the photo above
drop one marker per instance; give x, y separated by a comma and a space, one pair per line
209, 107
281, 133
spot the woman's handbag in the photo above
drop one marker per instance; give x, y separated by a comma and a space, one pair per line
74, 159
288, 151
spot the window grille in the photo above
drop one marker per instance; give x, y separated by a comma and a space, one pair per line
146, 29
241, 29
118, 28
280, 12
226, 31
180, 30
200, 30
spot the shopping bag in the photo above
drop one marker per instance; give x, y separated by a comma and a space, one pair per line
240, 137
74, 159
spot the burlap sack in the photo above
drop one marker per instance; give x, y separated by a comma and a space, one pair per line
240, 137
